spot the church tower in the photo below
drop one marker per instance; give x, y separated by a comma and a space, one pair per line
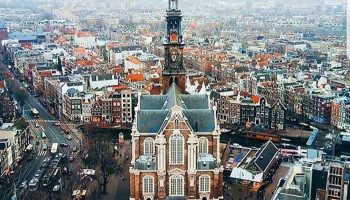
173, 70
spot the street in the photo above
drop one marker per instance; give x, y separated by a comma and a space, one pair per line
45, 122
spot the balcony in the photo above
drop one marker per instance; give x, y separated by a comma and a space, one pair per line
206, 162
146, 162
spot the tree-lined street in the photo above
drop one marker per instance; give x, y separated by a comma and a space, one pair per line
45, 123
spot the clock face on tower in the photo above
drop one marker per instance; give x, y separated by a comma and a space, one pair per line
173, 37
174, 55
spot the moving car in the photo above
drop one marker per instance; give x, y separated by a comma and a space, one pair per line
23, 184
57, 123
69, 137
56, 188
71, 158
64, 145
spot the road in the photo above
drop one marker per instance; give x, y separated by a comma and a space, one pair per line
46, 124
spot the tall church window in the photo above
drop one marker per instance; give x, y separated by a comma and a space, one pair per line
148, 185
204, 183
176, 185
176, 149
203, 145
148, 146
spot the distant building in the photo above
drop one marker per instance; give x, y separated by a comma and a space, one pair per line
257, 111
254, 167
7, 108
3, 32
14, 140
85, 39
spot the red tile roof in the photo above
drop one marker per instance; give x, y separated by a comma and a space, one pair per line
44, 74
256, 99
135, 77
85, 63
118, 88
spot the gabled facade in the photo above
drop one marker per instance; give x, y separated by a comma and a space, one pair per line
259, 111
7, 108
175, 148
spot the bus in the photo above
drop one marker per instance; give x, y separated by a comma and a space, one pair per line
54, 148
35, 112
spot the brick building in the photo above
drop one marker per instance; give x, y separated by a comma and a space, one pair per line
7, 108
175, 148
175, 137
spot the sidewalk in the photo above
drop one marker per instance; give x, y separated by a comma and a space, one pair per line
77, 134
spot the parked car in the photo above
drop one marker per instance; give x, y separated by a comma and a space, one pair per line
69, 137
57, 123
71, 158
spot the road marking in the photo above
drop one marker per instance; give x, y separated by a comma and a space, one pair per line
54, 135
42, 153
42, 121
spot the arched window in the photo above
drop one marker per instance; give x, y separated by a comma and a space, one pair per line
204, 183
176, 124
148, 185
176, 185
148, 146
203, 145
176, 149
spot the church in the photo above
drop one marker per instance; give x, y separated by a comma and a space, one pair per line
175, 136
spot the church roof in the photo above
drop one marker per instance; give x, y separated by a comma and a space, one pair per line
264, 156
201, 120
150, 121
155, 110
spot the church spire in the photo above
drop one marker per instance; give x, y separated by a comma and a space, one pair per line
173, 69
173, 5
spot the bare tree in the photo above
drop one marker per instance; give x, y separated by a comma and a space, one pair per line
101, 155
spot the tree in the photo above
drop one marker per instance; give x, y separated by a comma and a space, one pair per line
101, 155
20, 95
21, 124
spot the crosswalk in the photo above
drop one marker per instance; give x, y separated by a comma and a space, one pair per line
42, 153
42, 121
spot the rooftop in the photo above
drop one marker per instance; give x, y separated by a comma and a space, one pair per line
154, 110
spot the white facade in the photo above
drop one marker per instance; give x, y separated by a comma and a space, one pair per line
126, 106
101, 83
87, 42
88, 101
63, 90
118, 57
128, 65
